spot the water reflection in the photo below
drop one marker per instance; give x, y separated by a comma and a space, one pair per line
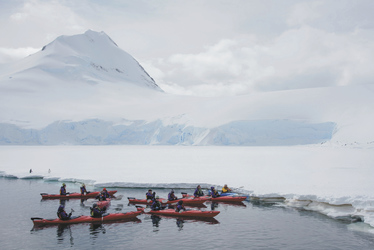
96, 229
180, 223
214, 205
155, 220
62, 231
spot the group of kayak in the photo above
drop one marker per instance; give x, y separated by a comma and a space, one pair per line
84, 194
156, 205
197, 198
98, 210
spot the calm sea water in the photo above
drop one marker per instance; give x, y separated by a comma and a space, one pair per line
241, 226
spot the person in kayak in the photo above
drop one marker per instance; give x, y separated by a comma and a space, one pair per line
198, 192
83, 189
214, 192
103, 195
149, 195
96, 212
63, 189
226, 189
171, 196
156, 205
61, 213
180, 207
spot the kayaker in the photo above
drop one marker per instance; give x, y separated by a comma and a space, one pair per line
198, 192
171, 196
180, 207
156, 205
83, 189
103, 195
214, 192
61, 213
63, 189
96, 212
149, 195
226, 189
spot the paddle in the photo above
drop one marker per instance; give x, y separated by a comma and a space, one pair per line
36, 218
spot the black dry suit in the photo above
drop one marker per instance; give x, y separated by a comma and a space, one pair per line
96, 212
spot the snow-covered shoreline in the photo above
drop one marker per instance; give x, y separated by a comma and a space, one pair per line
336, 181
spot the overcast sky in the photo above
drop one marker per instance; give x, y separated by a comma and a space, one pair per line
212, 47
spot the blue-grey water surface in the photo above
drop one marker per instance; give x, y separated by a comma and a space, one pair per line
248, 225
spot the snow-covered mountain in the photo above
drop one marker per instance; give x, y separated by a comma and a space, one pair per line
83, 89
92, 57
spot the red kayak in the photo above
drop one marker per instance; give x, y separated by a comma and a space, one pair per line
188, 213
102, 204
86, 219
74, 195
220, 198
186, 201
229, 198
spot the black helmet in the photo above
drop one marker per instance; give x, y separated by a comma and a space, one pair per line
94, 205
180, 202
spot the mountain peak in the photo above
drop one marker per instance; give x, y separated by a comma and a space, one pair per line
91, 57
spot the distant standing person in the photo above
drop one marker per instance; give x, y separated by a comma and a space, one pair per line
30, 170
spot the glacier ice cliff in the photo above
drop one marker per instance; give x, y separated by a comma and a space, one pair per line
236, 133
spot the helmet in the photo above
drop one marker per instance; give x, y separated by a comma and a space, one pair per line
172, 191
212, 188
61, 207
63, 184
180, 202
94, 205
104, 189
83, 185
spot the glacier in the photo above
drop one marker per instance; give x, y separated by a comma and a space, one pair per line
237, 133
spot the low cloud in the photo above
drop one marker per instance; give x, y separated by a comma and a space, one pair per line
303, 57
11, 54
